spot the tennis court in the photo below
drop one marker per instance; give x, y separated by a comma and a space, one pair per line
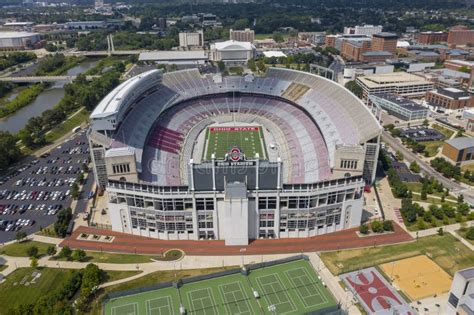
288, 288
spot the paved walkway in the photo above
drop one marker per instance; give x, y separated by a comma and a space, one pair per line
390, 204
143, 245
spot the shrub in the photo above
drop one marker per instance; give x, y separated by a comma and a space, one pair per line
364, 229
470, 233
32, 251
376, 227
51, 251
387, 225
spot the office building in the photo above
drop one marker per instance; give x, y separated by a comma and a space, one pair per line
400, 83
431, 37
400, 107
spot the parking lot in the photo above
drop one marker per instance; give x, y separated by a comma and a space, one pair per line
32, 195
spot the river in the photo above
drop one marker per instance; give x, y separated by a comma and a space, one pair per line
46, 100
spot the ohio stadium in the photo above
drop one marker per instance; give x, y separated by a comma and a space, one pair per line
185, 156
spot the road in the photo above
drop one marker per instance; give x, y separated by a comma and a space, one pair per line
454, 187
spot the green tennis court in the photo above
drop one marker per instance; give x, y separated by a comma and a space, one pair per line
288, 288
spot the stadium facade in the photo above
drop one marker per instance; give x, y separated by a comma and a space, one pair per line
184, 156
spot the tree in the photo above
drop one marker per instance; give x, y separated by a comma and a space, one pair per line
399, 156
414, 167
9, 151
460, 199
261, 65
34, 262
364, 229
354, 88
376, 227
78, 255
61, 225
221, 65
278, 37
423, 195
426, 123
421, 224
252, 65
32, 251
51, 251
470, 233
75, 190
92, 277
65, 252
440, 232
20, 236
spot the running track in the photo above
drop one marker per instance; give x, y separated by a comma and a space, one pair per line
142, 245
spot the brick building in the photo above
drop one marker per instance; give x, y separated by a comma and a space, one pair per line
459, 151
460, 35
431, 37
449, 99
385, 42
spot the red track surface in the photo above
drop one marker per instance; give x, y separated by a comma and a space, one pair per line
143, 245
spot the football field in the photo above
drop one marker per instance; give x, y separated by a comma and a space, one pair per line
220, 140
288, 288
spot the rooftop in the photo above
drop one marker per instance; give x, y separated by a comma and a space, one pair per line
16, 34
467, 273
395, 78
378, 53
386, 35
462, 143
233, 45
172, 55
401, 101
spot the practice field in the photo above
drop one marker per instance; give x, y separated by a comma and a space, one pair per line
221, 140
288, 288
418, 277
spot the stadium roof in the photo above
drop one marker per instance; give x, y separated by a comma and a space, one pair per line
5, 35
273, 53
112, 102
233, 45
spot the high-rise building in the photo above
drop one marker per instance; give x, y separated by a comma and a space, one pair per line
195, 39
385, 42
247, 35
363, 30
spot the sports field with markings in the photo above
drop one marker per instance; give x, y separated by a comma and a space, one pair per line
289, 288
220, 140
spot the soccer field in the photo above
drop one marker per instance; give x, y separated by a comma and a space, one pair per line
288, 288
220, 140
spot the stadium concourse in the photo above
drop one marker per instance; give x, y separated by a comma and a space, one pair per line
142, 245
196, 157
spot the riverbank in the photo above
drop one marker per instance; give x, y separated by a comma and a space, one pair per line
23, 99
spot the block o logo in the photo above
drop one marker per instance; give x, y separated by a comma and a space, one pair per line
235, 154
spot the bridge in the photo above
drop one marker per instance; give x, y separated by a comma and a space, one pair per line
45, 79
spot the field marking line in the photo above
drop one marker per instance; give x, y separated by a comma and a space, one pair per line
210, 297
135, 308
241, 289
169, 304
319, 293
278, 281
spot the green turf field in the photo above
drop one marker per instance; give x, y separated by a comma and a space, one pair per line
291, 288
221, 139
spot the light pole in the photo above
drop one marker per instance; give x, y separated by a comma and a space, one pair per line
242, 251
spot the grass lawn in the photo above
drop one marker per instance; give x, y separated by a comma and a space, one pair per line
432, 147
416, 187
463, 235
150, 279
67, 125
467, 168
434, 201
447, 251
12, 294
3, 267
445, 131
111, 258
19, 249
